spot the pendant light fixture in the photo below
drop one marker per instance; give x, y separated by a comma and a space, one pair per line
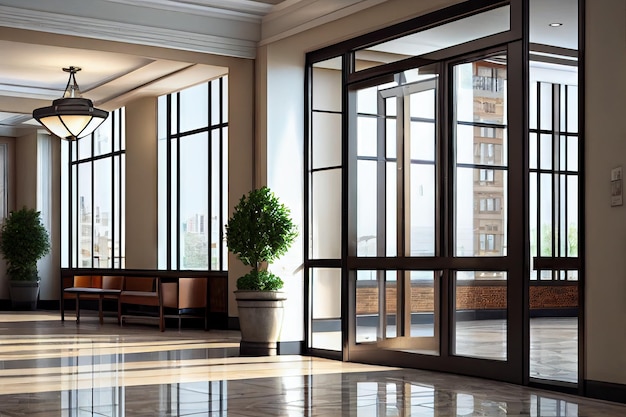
71, 116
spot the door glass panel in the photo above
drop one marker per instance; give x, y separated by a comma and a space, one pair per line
366, 208
420, 109
398, 310
480, 314
481, 163
391, 205
390, 324
325, 285
372, 308
422, 220
424, 303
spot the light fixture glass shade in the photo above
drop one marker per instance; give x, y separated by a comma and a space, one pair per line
71, 117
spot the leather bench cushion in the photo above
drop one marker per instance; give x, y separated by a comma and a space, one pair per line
146, 298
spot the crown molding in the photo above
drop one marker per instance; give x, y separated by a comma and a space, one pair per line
244, 10
87, 27
295, 16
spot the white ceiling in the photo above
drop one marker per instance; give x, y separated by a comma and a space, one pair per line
35, 44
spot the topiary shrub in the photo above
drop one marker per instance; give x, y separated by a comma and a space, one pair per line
260, 231
23, 241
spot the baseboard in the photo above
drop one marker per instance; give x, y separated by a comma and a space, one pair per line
290, 348
607, 391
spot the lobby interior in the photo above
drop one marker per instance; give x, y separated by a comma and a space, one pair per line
132, 53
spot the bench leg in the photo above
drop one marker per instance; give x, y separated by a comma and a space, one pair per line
100, 314
77, 307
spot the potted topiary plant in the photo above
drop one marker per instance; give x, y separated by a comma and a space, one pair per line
23, 241
259, 231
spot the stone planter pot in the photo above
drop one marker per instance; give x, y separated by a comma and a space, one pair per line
260, 321
24, 294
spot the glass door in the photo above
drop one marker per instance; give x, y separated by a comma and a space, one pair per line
431, 275
396, 205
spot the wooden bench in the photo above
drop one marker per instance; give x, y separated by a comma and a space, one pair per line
150, 294
94, 288
141, 291
186, 297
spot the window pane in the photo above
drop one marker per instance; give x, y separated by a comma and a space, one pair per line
216, 103
102, 215
326, 140
103, 140
545, 212
85, 216
325, 238
545, 106
84, 147
194, 202
162, 199
327, 85
216, 218
194, 111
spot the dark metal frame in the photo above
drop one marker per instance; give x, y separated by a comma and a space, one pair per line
172, 178
517, 263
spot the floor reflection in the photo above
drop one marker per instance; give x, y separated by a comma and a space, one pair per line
55, 369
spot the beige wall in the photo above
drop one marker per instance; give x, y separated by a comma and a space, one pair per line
605, 148
141, 184
26, 171
241, 163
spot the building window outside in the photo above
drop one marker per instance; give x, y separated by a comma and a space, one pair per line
486, 175
490, 205
193, 177
95, 206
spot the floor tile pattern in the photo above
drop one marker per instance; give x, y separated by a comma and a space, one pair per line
50, 368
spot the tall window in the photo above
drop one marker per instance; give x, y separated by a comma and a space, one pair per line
92, 200
193, 177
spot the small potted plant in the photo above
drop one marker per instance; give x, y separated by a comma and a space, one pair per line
23, 241
260, 231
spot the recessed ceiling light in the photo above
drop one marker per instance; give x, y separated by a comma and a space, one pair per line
555, 24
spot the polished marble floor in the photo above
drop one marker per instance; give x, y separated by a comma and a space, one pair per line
50, 368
